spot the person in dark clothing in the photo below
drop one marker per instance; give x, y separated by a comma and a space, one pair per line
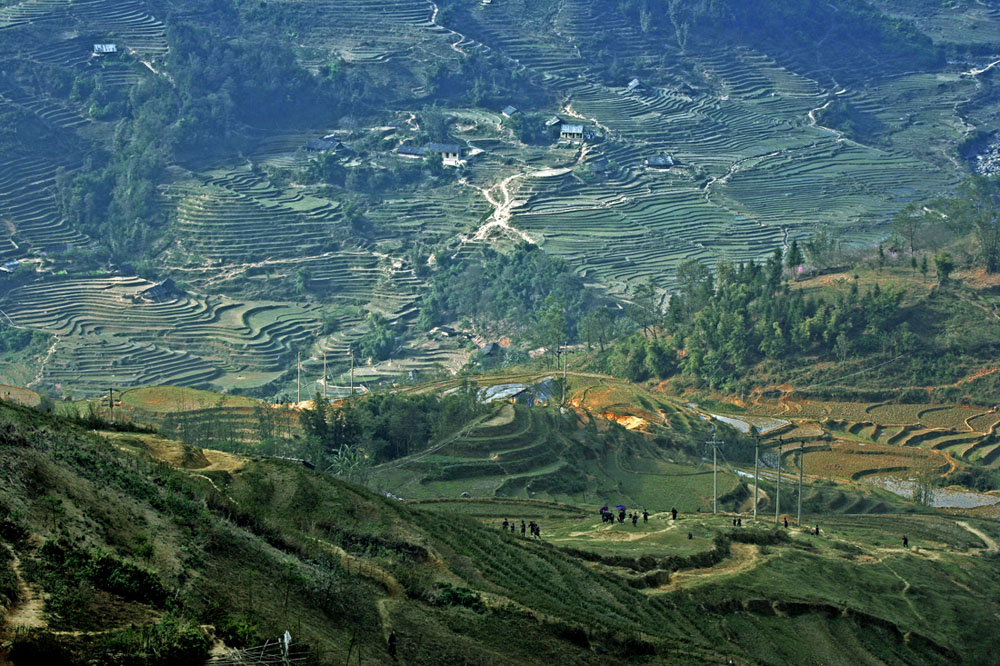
621, 516
690, 536
673, 512
906, 542
645, 516
739, 522
392, 645
734, 522
635, 519
505, 524
538, 531
786, 522
817, 531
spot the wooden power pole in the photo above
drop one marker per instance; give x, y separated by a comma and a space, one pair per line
298, 377
756, 472
715, 472
324, 377
802, 458
111, 403
777, 494
352, 373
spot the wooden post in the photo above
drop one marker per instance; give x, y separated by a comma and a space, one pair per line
111, 404
777, 494
298, 377
325, 382
802, 458
352, 373
756, 473
715, 476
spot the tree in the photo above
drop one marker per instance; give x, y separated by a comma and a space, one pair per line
595, 326
944, 265
923, 266
979, 207
908, 222
550, 329
645, 307
794, 258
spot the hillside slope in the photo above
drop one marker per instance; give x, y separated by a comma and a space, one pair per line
187, 155
115, 554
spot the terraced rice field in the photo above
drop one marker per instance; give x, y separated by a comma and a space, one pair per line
755, 169
106, 332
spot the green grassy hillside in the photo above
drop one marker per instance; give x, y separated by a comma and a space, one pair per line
108, 551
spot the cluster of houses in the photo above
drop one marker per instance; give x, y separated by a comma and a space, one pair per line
452, 153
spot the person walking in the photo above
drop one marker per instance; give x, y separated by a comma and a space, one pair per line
786, 522
635, 519
673, 513
645, 516
505, 524
392, 645
906, 542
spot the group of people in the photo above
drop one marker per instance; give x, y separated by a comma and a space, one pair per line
536, 529
608, 516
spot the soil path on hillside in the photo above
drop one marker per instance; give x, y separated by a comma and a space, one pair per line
991, 545
742, 557
27, 612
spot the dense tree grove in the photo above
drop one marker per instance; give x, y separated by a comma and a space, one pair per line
223, 76
718, 327
386, 425
526, 291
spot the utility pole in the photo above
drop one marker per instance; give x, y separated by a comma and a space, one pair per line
324, 377
756, 472
298, 377
352, 373
564, 377
111, 403
777, 494
802, 457
715, 471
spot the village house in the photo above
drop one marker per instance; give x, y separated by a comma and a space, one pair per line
554, 120
571, 132
659, 162
327, 145
635, 85
412, 152
450, 152
159, 291
509, 111
105, 49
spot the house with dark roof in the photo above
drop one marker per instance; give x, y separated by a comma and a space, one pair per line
571, 132
160, 291
509, 111
492, 349
327, 145
319, 145
414, 152
450, 152
660, 162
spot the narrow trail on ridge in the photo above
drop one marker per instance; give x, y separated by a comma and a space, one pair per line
27, 611
991, 544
